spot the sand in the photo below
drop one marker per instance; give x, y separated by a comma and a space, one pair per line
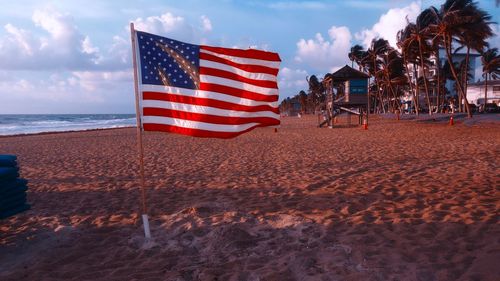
403, 200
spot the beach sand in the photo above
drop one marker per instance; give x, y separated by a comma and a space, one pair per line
403, 200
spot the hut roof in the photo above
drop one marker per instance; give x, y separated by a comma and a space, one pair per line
346, 73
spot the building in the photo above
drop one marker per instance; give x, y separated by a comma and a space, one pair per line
458, 58
347, 86
475, 92
432, 75
346, 91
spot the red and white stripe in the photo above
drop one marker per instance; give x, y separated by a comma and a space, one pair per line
238, 92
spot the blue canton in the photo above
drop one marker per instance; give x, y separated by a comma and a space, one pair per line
168, 62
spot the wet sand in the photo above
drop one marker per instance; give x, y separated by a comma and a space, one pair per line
403, 200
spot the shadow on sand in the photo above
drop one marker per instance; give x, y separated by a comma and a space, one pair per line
246, 234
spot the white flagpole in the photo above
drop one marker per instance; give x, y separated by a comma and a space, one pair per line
140, 148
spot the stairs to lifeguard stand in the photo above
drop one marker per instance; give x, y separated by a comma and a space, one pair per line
337, 110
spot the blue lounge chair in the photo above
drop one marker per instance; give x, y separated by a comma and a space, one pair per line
12, 188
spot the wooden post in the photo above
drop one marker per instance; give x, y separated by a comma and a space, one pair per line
140, 148
368, 103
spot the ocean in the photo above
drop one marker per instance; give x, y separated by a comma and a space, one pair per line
15, 124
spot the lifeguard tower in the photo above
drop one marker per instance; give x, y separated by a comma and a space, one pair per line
346, 90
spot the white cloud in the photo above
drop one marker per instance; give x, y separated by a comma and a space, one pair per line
249, 45
20, 38
87, 46
291, 81
495, 40
117, 56
166, 23
389, 24
93, 81
174, 27
61, 70
324, 55
64, 47
55, 43
370, 4
62, 92
301, 5
206, 23
21, 85
59, 26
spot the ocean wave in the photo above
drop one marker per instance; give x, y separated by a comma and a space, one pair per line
30, 124
47, 123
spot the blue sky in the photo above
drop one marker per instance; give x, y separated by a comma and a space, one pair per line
74, 56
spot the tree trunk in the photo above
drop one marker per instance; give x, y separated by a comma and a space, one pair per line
374, 99
398, 100
442, 91
449, 57
394, 99
375, 75
485, 91
417, 90
423, 76
394, 102
436, 93
460, 101
438, 77
382, 106
466, 76
368, 99
389, 102
465, 72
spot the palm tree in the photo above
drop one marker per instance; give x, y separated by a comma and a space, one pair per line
316, 91
285, 106
371, 61
473, 35
445, 25
356, 55
392, 73
409, 52
455, 18
421, 35
491, 67
303, 101
464, 72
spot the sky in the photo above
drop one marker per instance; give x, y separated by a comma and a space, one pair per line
75, 56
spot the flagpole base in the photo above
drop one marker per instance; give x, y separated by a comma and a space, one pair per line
145, 222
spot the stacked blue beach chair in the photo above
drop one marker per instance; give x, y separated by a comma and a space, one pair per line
12, 188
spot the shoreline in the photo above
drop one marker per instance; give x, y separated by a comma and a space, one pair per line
477, 119
62, 132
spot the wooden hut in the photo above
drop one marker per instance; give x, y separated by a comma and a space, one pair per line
346, 90
347, 86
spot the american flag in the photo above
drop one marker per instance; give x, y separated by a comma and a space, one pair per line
205, 91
